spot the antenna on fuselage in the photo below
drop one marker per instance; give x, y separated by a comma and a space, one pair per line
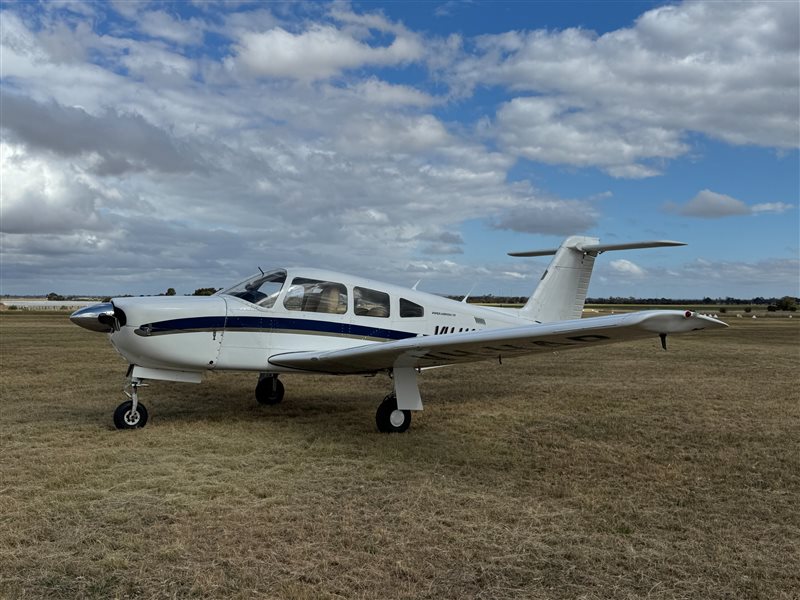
262, 270
414, 287
469, 293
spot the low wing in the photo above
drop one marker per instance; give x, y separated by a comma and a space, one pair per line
433, 351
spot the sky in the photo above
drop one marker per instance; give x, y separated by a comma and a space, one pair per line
148, 145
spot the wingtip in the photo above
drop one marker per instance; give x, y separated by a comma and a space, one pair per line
675, 321
714, 322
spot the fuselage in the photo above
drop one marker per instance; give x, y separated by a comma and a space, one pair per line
282, 311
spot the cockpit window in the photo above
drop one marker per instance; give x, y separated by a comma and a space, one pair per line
370, 303
261, 289
314, 295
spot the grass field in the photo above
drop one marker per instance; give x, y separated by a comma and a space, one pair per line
620, 472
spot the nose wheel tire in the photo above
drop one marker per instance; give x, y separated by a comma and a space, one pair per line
269, 391
125, 418
391, 419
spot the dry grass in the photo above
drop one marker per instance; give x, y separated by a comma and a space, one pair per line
626, 472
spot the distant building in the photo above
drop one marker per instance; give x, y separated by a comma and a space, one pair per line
45, 304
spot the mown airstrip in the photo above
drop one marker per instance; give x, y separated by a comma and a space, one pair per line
620, 472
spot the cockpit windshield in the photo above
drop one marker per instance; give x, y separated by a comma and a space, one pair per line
261, 289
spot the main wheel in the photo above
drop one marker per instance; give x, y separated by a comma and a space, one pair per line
391, 419
124, 418
269, 390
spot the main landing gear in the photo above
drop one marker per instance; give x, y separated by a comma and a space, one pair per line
269, 389
131, 414
394, 413
391, 419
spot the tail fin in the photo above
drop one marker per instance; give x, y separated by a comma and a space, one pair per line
562, 289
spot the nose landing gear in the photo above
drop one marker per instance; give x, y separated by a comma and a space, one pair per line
131, 414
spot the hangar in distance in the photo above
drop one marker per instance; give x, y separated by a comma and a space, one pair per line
301, 320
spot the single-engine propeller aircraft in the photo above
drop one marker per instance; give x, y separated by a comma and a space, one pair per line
312, 321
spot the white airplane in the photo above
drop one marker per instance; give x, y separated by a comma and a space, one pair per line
299, 320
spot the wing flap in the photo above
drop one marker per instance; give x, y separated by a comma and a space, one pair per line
433, 351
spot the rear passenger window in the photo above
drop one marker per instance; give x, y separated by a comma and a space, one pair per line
370, 303
410, 309
313, 295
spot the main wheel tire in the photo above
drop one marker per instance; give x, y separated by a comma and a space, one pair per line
391, 419
125, 419
266, 393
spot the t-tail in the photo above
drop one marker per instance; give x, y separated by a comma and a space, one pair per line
562, 289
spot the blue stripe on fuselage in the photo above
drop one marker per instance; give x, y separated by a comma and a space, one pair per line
267, 324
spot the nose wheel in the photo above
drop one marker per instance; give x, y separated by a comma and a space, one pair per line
125, 417
131, 414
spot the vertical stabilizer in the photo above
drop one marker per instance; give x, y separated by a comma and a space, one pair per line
563, 287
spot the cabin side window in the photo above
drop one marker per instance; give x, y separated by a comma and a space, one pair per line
370, 303
314, 295
410, 309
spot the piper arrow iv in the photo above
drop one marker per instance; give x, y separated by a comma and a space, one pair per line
297, 320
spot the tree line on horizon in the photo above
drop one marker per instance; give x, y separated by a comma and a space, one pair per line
784, 303
789, 303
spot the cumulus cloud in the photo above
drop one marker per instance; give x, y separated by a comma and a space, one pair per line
715, 278
363, 23
552, 131
631, 95
770, 207
160, 24
442, 249
712, 205
753, 274
395, 133
627, 268
442, 242
38, 197
447, 237
302, 172
153, 63
122, 142
562, 217
131, 153
446, 9
318, 53
382, 93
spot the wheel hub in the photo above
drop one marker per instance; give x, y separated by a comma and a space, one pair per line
132, 418
397, 418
